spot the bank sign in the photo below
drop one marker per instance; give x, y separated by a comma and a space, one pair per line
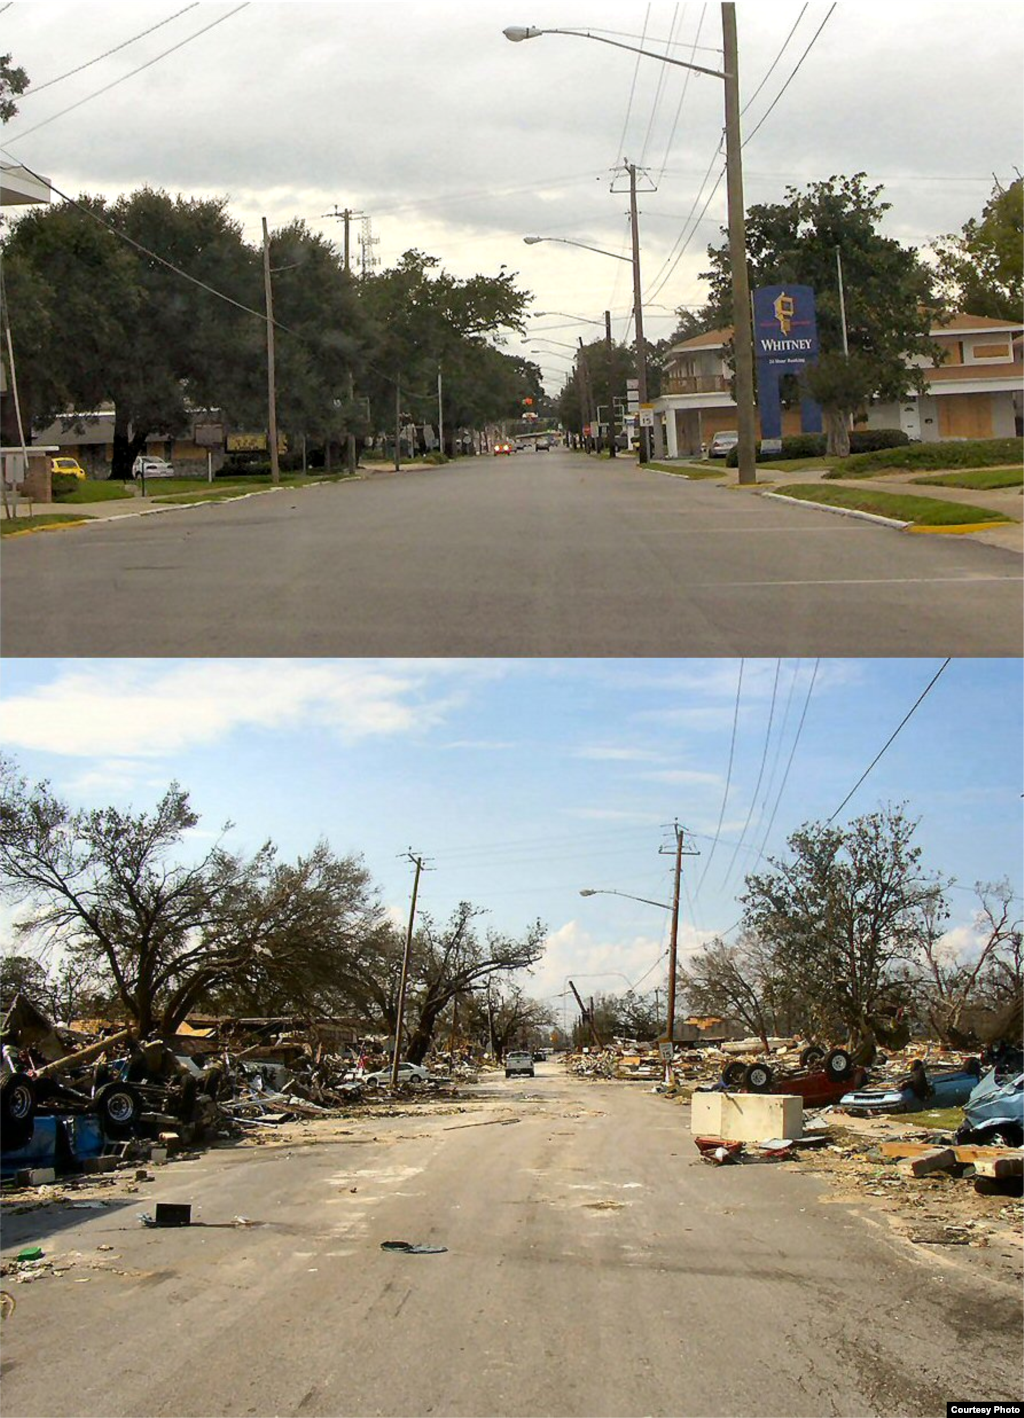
785, 326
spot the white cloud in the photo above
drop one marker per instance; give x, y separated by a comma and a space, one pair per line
126, 711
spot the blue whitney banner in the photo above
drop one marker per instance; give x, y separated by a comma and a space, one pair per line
785, 339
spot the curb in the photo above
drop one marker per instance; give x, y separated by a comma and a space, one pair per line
843, 511
116, 517
962, 529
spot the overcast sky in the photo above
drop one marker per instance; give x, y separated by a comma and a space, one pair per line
422, 116
524, 781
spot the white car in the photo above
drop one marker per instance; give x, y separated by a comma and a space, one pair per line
723, 443
414, 1074
152, 468
519, 1061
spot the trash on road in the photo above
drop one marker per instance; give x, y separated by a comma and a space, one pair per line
409, 1248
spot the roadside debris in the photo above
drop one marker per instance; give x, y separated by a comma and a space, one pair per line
408, 1248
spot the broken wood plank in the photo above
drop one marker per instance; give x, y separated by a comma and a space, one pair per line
999, 1167
965, 1152
937, 1159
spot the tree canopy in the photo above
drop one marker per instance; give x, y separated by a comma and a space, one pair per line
888, 292
981, 267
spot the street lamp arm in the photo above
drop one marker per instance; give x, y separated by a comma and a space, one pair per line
597, 891
516, 33
567, 241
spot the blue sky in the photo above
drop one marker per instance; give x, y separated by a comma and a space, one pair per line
523, 781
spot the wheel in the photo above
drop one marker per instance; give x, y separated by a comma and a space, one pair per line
119, 1107
734, 1074
759, 1078
838, 1064
18, 1109
812, 1055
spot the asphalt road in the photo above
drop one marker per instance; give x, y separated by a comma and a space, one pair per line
535, 555
594, 1266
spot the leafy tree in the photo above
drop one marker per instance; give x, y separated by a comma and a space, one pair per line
13, 83
426, 319
23, 974
843, 919
888, 292
981, 267
163, 935
147, 340
448, 960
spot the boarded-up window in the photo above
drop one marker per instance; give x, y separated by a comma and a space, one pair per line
991, 352
965, 416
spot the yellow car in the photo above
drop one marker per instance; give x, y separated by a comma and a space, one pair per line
70, 467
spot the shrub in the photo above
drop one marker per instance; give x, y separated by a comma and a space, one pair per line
970, 453
870, 440
798, 445
436, 456
62, 484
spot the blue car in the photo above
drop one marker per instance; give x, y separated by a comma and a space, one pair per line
944, 1090
995, 1112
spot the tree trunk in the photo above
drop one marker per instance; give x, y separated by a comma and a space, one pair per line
837, 429
126, 449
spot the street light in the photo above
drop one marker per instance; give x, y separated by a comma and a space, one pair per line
608, 891
743, 343
582, 319
641, 352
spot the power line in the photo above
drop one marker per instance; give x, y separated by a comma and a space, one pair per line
632, 91
760, 774
789, 764
131, 74
792, 76
771, 68
728, 778
38, 88
890, 739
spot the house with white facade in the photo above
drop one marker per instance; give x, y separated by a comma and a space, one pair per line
976, 391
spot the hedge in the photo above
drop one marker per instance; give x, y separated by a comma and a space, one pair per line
813, 445
968, 453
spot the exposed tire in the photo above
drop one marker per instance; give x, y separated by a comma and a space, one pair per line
838, 1064
812, 1055
17, 1109
734, 1074
119, 1107
759, 1078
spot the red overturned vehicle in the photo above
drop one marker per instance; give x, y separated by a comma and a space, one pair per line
822, 1078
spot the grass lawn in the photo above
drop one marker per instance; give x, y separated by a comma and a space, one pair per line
10, 525
904, 507
795, 465
981, 479
90, 491
687, 470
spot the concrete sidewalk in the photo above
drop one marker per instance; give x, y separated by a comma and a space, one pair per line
1008, 501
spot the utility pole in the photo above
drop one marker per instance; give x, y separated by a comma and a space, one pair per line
742, 338
638, 314
400, 1021
677, 850
275, 471
611, 382
440, 409
398, 420
587, 390
587, 1015
350, 438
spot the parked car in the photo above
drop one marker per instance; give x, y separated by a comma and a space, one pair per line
152, 468
723, 443
519, 1061
413, 1074
70, 467
500, 448
542, 445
